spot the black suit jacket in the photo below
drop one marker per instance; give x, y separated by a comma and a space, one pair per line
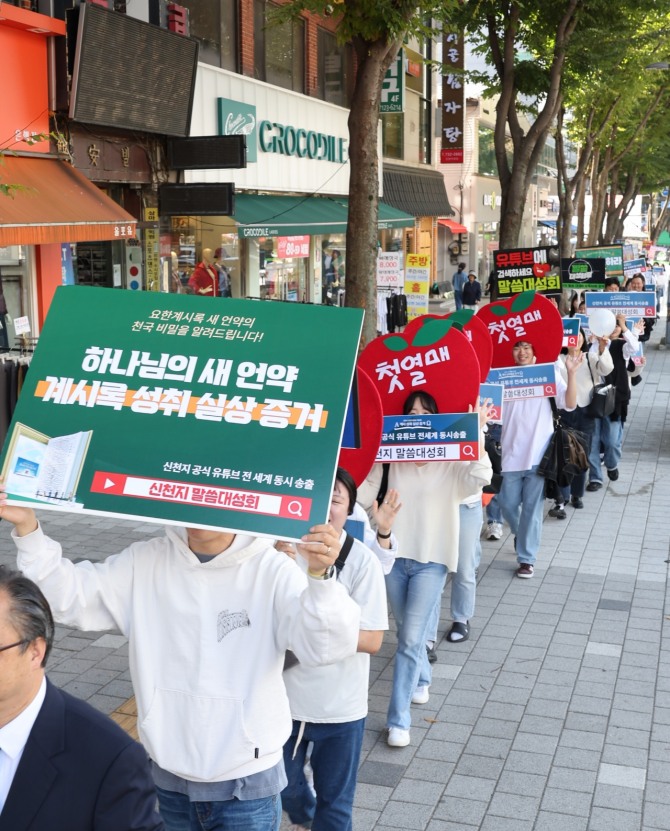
80, 772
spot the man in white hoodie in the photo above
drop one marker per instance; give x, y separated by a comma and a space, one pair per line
209, 616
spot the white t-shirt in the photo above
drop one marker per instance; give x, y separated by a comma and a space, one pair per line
338, 693
527, 427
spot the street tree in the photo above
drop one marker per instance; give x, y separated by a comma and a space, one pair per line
376, 29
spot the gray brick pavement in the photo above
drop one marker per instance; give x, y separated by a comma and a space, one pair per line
555, 715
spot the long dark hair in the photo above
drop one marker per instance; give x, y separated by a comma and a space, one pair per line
347, 480
425, 398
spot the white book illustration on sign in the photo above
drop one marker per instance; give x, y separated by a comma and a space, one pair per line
44, 468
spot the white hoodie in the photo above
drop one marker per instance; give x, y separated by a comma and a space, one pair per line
207, 641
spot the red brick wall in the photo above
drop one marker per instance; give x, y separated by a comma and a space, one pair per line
246, 43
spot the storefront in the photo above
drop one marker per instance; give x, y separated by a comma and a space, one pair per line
286, 239
421, 193
45, 204
487, 225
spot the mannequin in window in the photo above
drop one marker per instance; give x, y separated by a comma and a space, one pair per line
205, 277
225, 288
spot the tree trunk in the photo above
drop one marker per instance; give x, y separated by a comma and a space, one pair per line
515, 181
362, 227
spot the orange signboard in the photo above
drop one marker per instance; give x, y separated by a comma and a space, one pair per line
24, 114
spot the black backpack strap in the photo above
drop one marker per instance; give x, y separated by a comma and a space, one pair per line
384, 485
344, 553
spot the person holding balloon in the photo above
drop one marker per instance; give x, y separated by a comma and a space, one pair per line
596, 364
608, 431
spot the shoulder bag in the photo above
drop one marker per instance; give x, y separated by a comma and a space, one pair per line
567, 453
603, 399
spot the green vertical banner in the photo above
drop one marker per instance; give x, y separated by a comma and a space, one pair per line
393, 86
182, 409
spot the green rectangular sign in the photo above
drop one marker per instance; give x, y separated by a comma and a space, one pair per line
612, 254
182, 409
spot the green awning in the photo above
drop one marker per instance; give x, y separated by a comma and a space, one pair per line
282, 216
664, 239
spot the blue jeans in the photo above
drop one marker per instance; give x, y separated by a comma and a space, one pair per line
493, 510
610, 433
464, 580
458, 298
413, 589
522, 500
334, 759
179, 814
578, 419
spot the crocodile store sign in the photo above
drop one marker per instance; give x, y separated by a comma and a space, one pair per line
296, 141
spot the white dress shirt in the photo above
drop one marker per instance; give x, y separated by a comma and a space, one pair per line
13, 738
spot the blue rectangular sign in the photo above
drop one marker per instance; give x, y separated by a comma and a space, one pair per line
629, 303
445, 437
536, 381
570, 332
493, 393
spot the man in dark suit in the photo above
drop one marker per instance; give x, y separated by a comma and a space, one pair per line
63, 765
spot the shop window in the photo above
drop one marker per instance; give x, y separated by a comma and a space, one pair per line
334, 75
279, 49
393, 125
283, 268
487, 152
188, 237
214, 26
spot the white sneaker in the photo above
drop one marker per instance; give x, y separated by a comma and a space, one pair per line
398, 737
494, 531
421, 695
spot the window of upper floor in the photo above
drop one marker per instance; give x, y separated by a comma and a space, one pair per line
214, 26
279, 49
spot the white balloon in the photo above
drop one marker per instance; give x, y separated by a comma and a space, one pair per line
602, 322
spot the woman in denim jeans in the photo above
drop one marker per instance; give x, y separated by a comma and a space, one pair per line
427, 530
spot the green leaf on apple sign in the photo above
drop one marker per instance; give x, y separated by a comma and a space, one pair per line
498, 309
522, 301
395, 343
432, 331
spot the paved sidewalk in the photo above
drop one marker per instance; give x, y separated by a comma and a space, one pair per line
555, 715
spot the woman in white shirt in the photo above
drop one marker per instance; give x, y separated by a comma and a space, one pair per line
427, 530
590, 372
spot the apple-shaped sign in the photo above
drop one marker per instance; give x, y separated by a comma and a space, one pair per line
528, 316
435, 358
359, 461
472, 327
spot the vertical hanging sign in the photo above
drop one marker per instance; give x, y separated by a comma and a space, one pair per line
393, 86
453, 99
151, 258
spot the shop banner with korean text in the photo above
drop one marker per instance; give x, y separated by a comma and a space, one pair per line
183, 409
417, 279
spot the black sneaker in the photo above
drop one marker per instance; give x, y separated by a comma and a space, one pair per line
432, 654
557, 511
613, 475
594, 486
576, 502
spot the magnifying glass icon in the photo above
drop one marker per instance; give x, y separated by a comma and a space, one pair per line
550, 390
294, 508
469, 450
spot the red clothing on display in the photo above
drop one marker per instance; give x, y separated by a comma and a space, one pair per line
205, 280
